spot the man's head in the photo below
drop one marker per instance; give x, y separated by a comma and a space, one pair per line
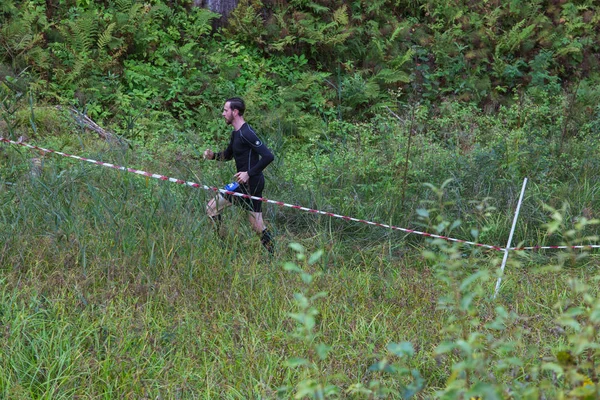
233, 108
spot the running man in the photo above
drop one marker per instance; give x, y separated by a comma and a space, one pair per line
251, 157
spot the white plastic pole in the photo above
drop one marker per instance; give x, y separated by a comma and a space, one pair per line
512, 231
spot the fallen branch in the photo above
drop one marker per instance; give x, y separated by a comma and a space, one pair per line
86, 122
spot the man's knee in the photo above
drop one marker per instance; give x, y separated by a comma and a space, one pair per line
211, 208
216, 205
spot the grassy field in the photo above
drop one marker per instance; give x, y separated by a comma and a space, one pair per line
115, 286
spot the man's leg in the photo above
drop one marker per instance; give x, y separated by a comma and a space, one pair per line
258, 225
214, 208
256, 221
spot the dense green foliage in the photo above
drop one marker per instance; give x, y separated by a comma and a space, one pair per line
476, 50
495, 82
111, 56
424, 114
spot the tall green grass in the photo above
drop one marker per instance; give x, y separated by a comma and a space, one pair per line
114, 286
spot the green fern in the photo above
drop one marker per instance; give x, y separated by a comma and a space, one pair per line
400, 60
81, 33
310, 5
340, 16
315, 31
201, 23
516, 36
8, 7
36, 55
78, 67
135, 13
356, 91
123, 6
336, 39
376, 5
283, 43
106, 36
571, 48
397, 31
21, 42
388, 76
246, 20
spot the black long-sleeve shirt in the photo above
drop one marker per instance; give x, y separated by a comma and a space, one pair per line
250, 153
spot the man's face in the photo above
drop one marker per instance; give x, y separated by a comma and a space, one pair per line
228, 113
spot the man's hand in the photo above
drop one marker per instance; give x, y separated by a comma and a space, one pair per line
242, 177
209, 154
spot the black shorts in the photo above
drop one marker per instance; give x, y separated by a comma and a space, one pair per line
254, 187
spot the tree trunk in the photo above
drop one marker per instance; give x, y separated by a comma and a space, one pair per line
223, 7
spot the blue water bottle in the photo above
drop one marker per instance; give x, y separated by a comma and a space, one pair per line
231, 186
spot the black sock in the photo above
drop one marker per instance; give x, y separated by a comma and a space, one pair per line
267, 240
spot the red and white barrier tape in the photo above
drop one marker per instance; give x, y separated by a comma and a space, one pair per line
279, 203
582, 246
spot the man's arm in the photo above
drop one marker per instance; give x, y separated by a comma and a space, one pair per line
266, 156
